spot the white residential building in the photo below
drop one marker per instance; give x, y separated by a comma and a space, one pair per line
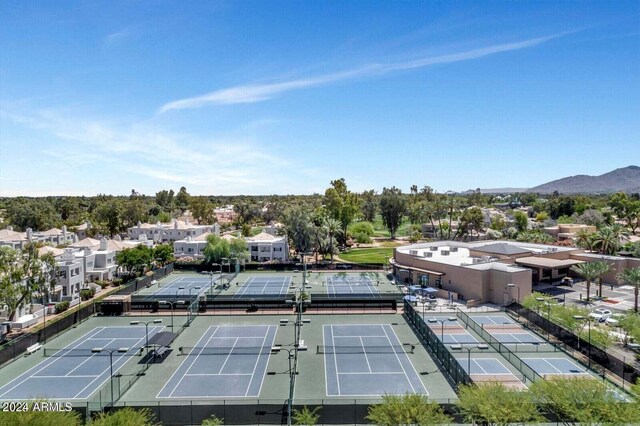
265, 247
170, 232
55, 236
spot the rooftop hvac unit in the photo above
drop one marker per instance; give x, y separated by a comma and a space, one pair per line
477, 260
445, 252
454, 249
553, 249
433, 248
413, 252
427, 254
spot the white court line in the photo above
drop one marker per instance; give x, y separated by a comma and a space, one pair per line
192, 361
365, 354
228, 355
115, 370
398, 373
264, 339
90, 357
44, 364
399, 361
217, 374
335, 360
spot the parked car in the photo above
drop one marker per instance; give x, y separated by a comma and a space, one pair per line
614, 319
600, 314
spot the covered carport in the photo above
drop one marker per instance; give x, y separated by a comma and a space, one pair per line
547, 269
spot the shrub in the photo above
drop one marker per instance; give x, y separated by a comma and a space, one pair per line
116, 282
306, 416
362, 238
124, 417
103, 284
212, 421
87, 293
362, 228
62, 306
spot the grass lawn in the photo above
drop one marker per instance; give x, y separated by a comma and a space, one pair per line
381, 231
367, 255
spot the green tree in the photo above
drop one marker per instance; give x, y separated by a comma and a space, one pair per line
202, 210
393, 207
585, 239
247, 212
369, 205
125, 417
631, 276
583, 401
342, 205
299, 229
522, 222
332, 227
589, 271
495, 404
163, 253
109, 216
165, 200
607, 240
239, 249
472, 219
135, 258
306, 416
216, 249
23, 276
408, 409
182, 200
630, 324
602, 268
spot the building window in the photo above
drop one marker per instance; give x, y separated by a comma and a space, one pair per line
62, 274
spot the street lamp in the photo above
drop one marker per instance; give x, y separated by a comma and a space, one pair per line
189, 288
146, 331
469, 349
173, 307
436, 320
583, 318
111, 351
291, 355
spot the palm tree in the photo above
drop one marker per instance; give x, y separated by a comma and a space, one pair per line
631, 276
584, 239
332, 226
601, 268
607, 240
589, 271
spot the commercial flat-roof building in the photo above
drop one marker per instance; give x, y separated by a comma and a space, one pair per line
480, 271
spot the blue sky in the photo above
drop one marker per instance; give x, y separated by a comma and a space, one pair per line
266, 97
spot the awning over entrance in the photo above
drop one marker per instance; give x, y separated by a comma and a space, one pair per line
545, 262
424, 271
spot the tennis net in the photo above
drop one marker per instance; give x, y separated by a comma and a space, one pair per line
51, 352
359, 349
230, 350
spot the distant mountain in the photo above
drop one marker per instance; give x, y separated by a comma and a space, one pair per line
502, 190
626, 179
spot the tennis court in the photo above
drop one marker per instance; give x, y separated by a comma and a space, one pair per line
343, 285
269, 286
227, 362
184, 286
492, 319
76, 371
554, 366
367, 360
490, 370
450, 331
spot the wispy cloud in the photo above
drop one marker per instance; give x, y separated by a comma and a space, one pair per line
150, 157
117, 37
261, 92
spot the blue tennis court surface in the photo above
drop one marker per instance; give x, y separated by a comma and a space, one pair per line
273, 285
350, 286
452, 333
484, 366
188, 286
492, 319
367, 360
228, 361
75, 372
554, 366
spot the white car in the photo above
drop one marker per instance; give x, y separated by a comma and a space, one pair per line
600, 314
614, 319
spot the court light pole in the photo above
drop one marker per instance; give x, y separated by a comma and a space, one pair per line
436, 320
469, 349
173, 307
110, 351
290, 356
588, 320
146, 331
